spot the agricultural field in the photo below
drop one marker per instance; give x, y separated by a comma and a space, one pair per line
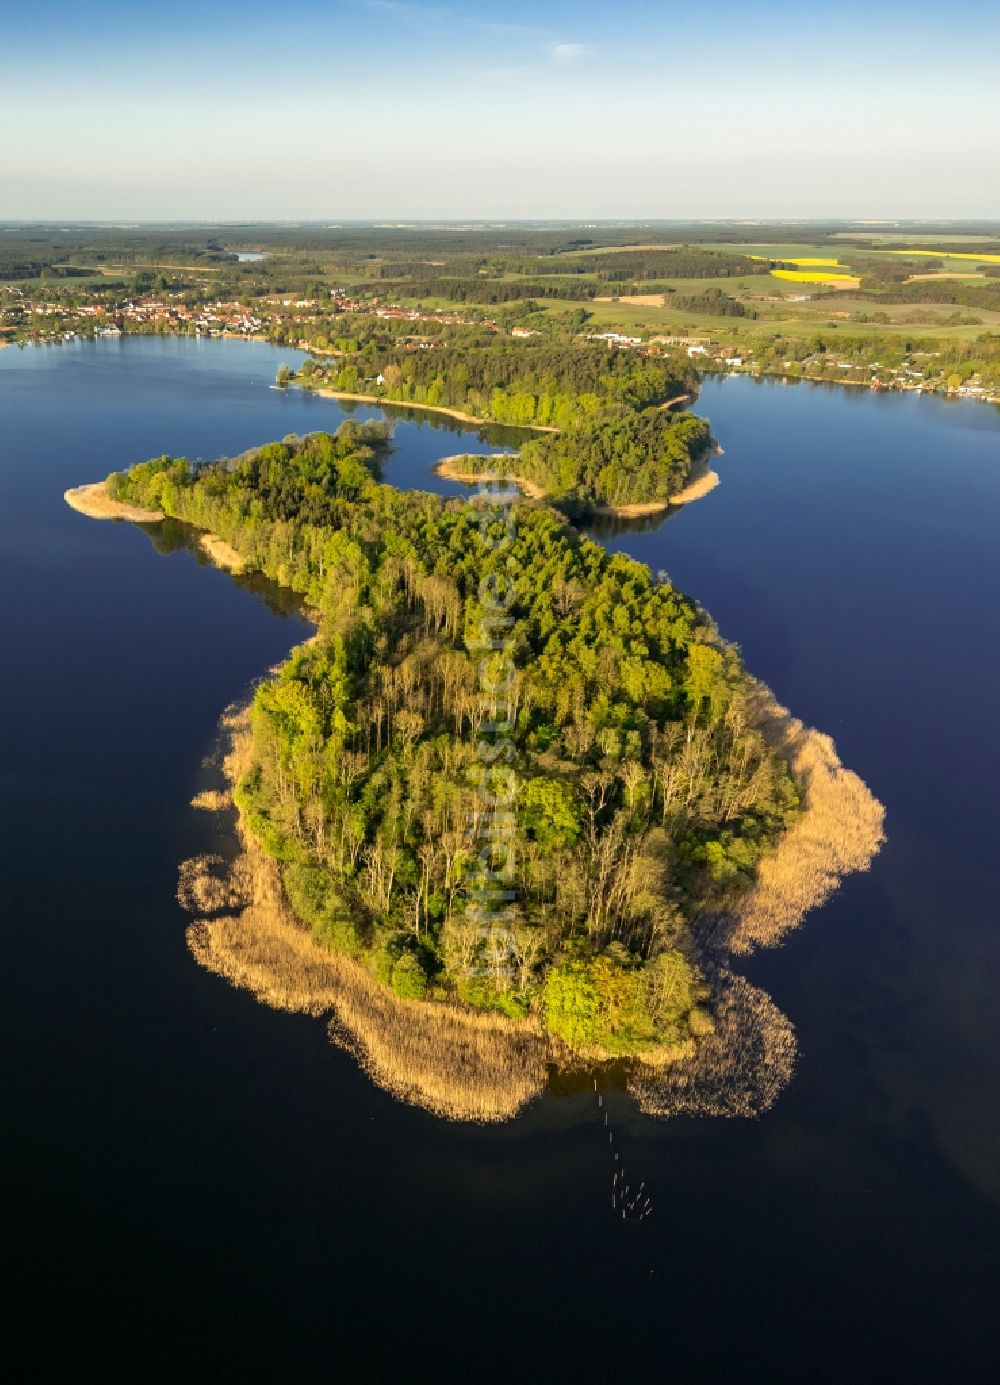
977, 257
834, 278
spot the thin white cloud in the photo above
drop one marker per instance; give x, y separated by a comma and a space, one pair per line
404, 10
568, 52
411, 10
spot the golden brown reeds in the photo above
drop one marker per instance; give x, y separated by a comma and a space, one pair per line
93, 500
222, 554
738, 1070
838, 832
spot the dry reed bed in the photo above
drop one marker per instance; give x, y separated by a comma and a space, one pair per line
696, 489
457, 469
838, 833
739, 1070
222, 554
469, 1065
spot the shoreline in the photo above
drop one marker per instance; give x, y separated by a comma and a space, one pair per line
783, 378
744, 1065
93, 501
456, 1062
462, 1064
702, 481
379, 399
838, 833
782, 375
450, 469
222, 554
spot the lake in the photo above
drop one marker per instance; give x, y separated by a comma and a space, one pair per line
196, 1183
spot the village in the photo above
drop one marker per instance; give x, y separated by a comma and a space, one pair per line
307, 321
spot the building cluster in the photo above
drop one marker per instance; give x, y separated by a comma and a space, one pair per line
395, 312
53, 320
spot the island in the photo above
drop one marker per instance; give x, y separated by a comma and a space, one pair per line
606, 437
515, 804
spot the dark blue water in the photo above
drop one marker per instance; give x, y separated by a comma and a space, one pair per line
198, 1185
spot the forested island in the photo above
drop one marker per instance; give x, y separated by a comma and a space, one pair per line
642, 791
509, 852
621, 462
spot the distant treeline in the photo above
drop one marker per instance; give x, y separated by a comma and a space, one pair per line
713, 302
26, 254
981, 295
560, 277
484, 290
685, 263
819, 354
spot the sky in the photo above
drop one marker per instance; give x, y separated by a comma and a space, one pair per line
399, 110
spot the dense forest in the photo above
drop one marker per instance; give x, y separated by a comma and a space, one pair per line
984, 295
713, 302
589, 747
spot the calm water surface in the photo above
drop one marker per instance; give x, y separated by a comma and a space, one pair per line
197, 1184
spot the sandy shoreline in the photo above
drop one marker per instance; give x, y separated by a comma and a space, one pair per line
93, 500
701, 481
704, 480
456, 1062
451, 468
694, 490
838, 833
475, 1066
469, 1065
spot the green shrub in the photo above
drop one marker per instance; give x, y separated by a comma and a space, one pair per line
408, 978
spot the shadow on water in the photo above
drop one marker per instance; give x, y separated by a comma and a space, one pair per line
171, 536
497, 435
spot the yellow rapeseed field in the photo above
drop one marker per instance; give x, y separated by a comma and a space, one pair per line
814, 276
950, 255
